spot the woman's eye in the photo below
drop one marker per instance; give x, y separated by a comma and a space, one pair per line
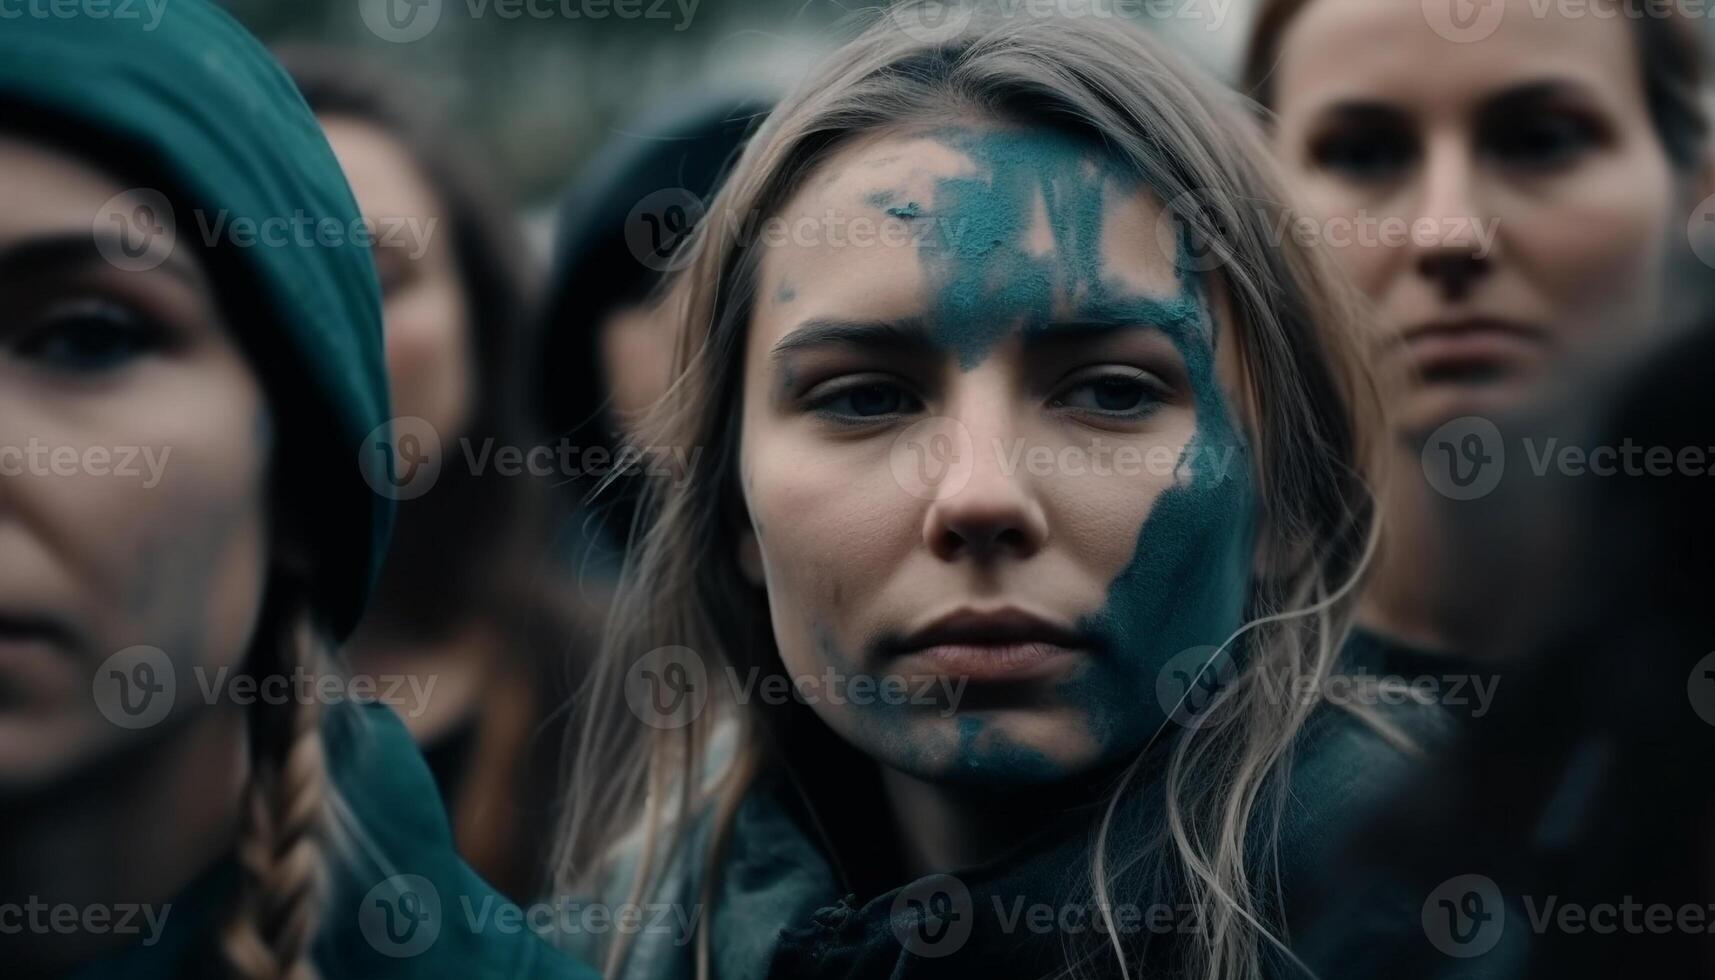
87, 337
1129, 395
865, 401
1364, 154
1542, 140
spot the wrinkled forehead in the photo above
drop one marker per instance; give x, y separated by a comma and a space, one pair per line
870, 223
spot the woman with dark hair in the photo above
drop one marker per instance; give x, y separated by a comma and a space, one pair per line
1510, 189
465, 597
1568, 832
180, 272
607, 348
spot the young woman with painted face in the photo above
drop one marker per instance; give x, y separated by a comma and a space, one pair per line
1537, 166
1020, 540
183, 283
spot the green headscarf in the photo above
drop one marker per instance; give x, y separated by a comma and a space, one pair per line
179, 98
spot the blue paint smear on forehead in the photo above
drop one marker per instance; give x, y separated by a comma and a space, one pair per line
1189, 579
985, 282
885, 201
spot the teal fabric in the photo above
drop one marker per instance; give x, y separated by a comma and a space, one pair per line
397, 835
196, 108
780, 912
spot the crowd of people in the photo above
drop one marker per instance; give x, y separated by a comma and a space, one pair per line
1039, 510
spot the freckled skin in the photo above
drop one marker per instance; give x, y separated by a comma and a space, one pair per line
1028, 230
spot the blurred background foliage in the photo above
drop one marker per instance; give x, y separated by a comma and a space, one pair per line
537, 94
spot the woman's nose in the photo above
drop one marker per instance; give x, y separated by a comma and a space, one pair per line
1451, 255
997, 512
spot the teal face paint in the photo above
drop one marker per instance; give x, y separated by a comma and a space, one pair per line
1188, 582
885, 201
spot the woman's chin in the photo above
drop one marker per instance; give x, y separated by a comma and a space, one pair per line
1428, 406
996, 750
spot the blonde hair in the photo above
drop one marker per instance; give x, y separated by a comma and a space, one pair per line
281, 848
1305, 383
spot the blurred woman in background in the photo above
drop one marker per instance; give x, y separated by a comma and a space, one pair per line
183, 272
608, 334
1106, 676
1569, 832
1536, 168
468, 595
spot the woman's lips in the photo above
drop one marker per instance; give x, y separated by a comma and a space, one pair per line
34, 656
994, 662
1472, 350
33, 630
1007, 643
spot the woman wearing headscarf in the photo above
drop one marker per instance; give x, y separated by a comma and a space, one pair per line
607, 339
186, 284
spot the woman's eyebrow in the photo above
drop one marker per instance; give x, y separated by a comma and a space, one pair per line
1066, 332
910, 335
1359, 112
1522, 95
45, 254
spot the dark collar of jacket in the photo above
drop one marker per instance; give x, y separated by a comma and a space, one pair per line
783, 907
